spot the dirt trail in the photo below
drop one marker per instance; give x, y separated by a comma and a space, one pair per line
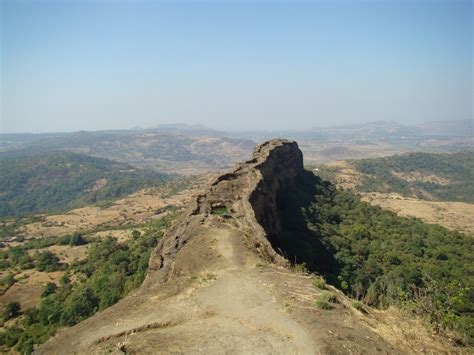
239, 296
225, 247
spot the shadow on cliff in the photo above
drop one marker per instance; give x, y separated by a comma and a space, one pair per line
297, 241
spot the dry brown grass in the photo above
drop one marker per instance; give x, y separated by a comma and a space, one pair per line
27, 290
66, 253
135, 208
347, 177
122, 235
317, 153
452, 215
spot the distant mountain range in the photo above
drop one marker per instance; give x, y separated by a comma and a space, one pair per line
176, 149
195, 149
378, 130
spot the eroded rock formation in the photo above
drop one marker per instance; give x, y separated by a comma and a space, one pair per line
249, 194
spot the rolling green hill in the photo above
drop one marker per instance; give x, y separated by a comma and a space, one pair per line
48, 182
430, 176
446, 177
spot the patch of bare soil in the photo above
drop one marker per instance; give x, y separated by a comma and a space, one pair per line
318, 153
347, 177
457, 216
66, 253
122, 235
98, 185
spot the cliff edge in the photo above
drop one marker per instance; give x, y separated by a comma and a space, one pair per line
216, 283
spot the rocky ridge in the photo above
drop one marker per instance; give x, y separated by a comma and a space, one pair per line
216, 284
249, 194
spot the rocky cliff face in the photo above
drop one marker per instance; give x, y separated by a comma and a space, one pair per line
249, 195
282, 163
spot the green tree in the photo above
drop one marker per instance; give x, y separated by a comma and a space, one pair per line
8, 279
12, 310
49, 289
79, 306
47, 261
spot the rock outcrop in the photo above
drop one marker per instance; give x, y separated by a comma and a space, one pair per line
217, 285
249, 195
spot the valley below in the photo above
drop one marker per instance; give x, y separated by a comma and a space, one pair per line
265, 256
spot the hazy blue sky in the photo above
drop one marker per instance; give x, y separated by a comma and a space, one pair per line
233, 65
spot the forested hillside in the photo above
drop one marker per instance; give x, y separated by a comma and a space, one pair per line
57, 180
445, 177
380, 258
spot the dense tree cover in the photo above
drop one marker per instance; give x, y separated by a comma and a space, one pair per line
58, 180
378, 257
457, 169
109, 272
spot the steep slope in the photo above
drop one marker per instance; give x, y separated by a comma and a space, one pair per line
216, 283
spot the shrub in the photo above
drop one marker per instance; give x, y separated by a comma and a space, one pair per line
359, 306
323, 304
136, 234
49, 289
25, 344
31, 316
299, 268
11, 336
219, 211
324, 300
64, 280
73, 240
318, 281
47, 261
7, 280
12, 310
